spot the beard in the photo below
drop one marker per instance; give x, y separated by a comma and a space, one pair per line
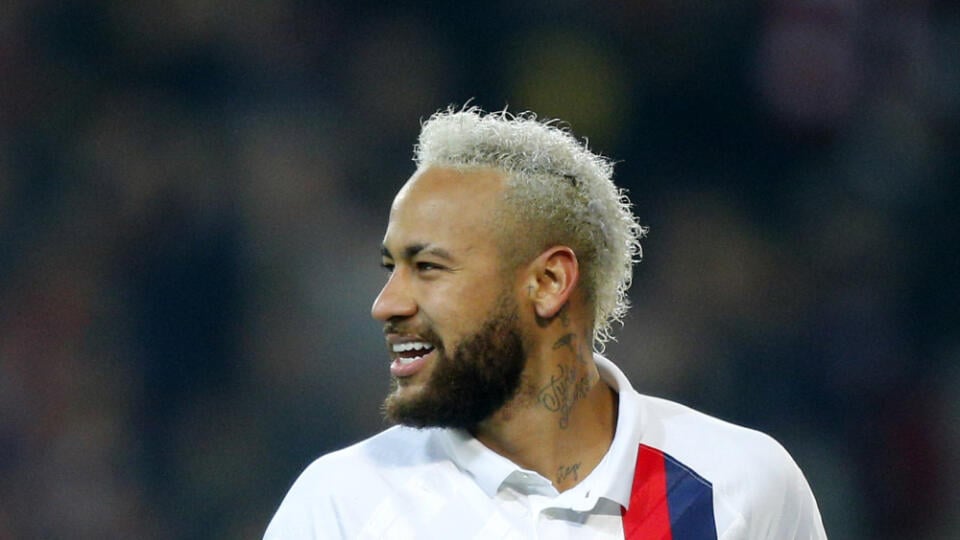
479, 377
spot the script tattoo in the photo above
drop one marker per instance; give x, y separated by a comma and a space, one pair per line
568, 471
562, 392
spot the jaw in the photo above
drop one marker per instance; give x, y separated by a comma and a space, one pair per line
458, 384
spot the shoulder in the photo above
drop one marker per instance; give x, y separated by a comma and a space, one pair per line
713, 446
341, 483
709, 441
393, 449
754, 479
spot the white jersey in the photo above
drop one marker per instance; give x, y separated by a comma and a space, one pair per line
671, 473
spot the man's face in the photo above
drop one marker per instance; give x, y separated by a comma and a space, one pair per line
449, 309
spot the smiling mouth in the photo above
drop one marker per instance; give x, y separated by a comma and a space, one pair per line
409, 352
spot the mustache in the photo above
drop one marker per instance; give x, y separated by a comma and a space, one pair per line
393, 328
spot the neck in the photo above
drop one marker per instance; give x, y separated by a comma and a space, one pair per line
561, 422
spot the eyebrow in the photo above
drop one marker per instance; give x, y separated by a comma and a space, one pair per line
413, 250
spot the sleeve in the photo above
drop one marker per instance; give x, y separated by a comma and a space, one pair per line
800, 508
785, 508
306, 512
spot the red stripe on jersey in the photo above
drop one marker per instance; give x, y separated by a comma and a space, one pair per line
648, 516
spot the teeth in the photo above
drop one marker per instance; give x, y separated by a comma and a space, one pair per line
412, 346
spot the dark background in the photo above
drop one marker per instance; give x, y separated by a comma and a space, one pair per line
192, 196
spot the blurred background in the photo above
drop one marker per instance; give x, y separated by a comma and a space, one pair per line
193, 193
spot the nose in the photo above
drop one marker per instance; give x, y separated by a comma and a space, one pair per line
394, 300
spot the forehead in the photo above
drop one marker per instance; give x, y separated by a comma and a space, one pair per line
440, 205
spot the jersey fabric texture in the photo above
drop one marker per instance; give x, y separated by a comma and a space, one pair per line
672, 473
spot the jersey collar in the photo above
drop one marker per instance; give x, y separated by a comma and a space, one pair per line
611, 479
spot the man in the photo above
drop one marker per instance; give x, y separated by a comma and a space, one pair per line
509, 254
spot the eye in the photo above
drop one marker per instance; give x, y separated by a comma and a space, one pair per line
424, 266
387, 265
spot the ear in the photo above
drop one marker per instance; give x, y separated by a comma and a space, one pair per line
552, 278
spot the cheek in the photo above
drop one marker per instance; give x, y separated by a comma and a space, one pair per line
445, 325
472, 307
457, 308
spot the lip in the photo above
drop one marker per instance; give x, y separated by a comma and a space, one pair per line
400, 370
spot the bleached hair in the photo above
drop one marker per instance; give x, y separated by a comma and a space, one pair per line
559, 193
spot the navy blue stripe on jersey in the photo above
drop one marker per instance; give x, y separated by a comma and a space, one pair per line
690, 502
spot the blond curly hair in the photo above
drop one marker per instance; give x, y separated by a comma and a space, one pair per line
559, 192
